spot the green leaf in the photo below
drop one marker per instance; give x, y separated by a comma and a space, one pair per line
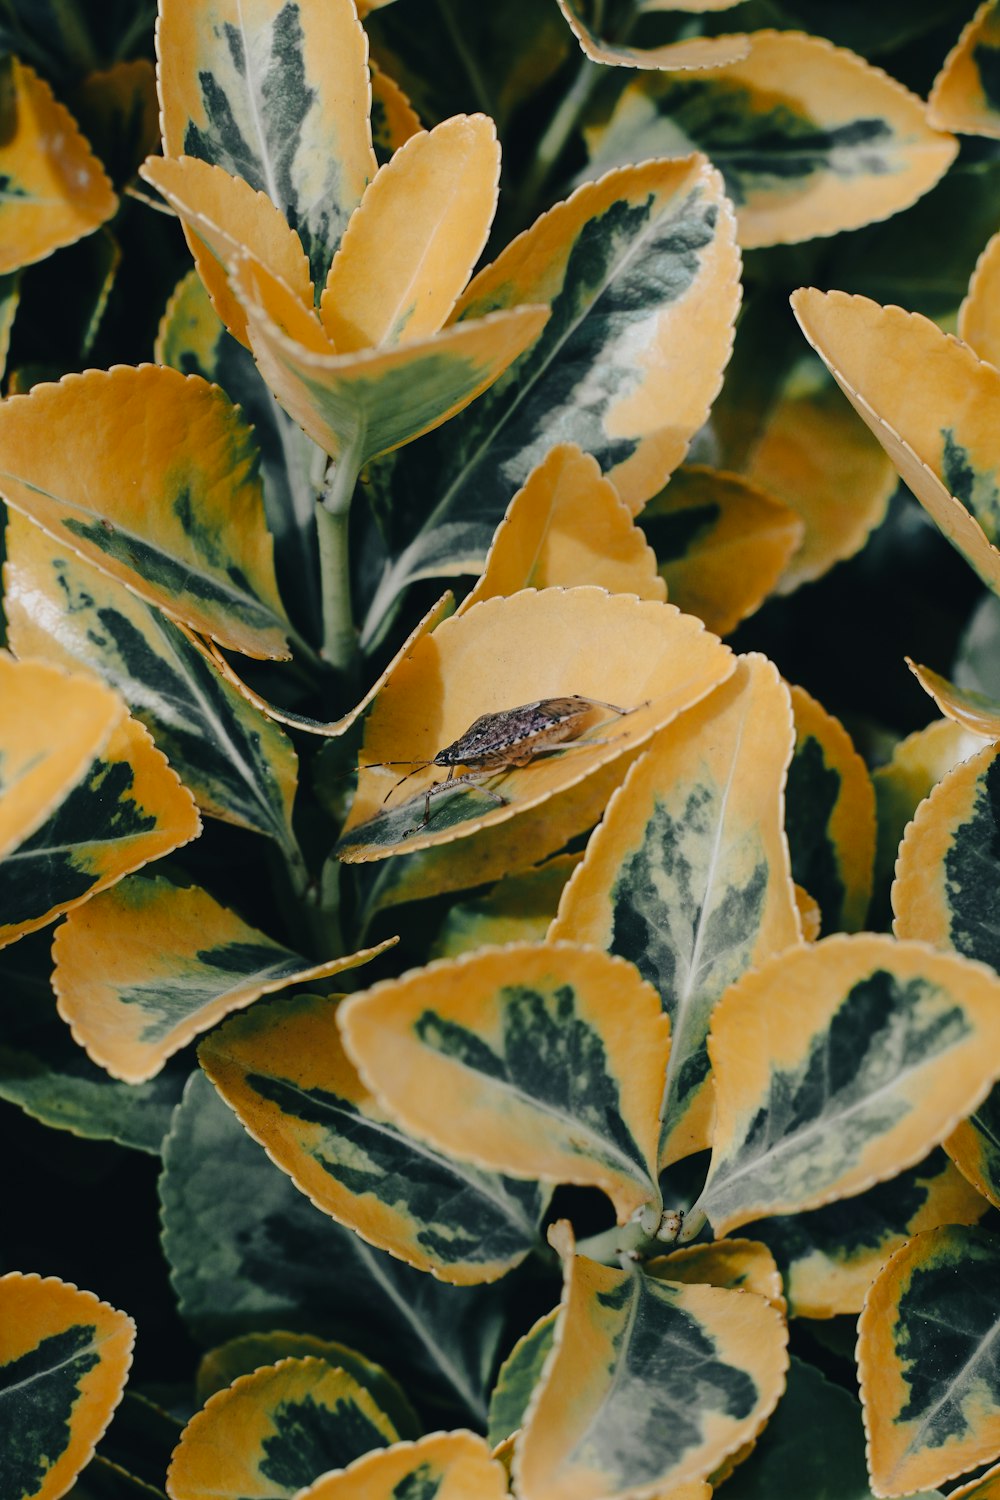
247, 1251
550, 1058
651, 1383
830, 1257
237, 764
276, 94
284, 1072
518, 1376
155, 480
813, 1446
150, 965
688, 874
629, 266
280, 1428
927, 1360
837, 1066
193, 339
64, 1360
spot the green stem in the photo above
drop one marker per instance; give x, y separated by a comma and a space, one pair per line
333, 511
638, 1238
555, 140
136, 31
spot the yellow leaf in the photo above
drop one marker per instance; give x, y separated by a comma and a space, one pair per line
975, 712
73, 1354
551, 1059
117, 108
810, 915
743, 1265
644, 657
696, 52
567, 525
155, 481
223, 218
129, 808
275, 94
445, 1465
964, 95
415, 237
930, 402
394, 119
979, 314
722, 544
143, 969
53, 725
55, 190
376, 399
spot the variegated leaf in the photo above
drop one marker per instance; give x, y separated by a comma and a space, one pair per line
721, 543
677, 1378
193, 339
360, 405
55, 190
393, 120
236, 763
695, 53
986, 1487
271, 1433
930, 402
641, 273
741, 1265
966, 93
949, 865
54, 724
417, 234
518, 1376
220, 1367
224, 218
809, 137
117, 108
519, 909
830, 1257
978, 318
837, 1066
443, 1466
812, 455
145, 968
567, 525
10, 299
275, 92
283, 1070
975, 1148
128, 809
830, 817
643, 657
975, 713
930, 1380
917, 764
64, 1360
230, 1217
688, 874
155, 480
551, 1060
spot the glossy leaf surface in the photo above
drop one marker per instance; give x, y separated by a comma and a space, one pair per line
276, 93
838, 1065
930, 403
640, 656
567, 525
236, 763
688, 875
445, 1466
830, 816
283, 1070
145, 968
231, 1219
930, 1383
641, 273
271, 1433
64, 1360
721, 544
810, 138
55, 190
128, 809
551, 1059
966, 92
678, 1378
155, 481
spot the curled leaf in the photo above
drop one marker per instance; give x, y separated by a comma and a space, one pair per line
965, 96
445, 1465
978, 322
696, 52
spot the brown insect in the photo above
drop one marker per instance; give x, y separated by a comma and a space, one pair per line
497, 742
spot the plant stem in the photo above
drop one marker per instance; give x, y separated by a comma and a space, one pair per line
555, 140
635, 1240
333, 510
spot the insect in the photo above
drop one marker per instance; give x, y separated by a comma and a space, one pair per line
497, 742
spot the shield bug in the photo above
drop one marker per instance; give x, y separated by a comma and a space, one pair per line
498, 742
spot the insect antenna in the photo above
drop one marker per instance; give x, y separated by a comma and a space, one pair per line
418, 765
